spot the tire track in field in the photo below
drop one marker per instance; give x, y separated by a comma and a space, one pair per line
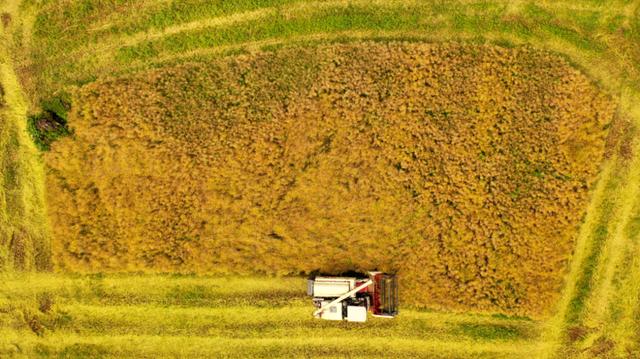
101, 57
296, 346
280, 321
595, 315
116, 42
155, 289
29, 213
555, 327
626, 330
616, 246
114, 326
112, 18
103, 53
615, 300
601, 70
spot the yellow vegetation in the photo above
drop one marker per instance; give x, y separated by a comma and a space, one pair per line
24, 236
464, 168
165, 316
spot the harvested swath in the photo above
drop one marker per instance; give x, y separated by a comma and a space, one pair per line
464, 168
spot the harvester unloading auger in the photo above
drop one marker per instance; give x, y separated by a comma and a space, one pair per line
350, 298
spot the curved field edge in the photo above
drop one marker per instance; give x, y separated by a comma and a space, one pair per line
616, 72
592, 36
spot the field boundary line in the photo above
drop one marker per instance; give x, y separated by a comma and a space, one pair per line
123, 40
553, 329
115, 42
629, 292
438, 36
614, 248
31, 188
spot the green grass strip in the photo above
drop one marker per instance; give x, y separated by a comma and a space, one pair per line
279, 26
599, 237
129, 17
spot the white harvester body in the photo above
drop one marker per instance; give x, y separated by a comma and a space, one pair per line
350, 298
327, 287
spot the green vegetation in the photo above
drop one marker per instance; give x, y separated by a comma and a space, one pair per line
279, 26
24, 235
50, 124
600, 233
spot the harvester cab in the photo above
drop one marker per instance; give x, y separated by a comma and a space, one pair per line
350, 298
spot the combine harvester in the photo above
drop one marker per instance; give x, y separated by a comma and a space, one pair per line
350, 298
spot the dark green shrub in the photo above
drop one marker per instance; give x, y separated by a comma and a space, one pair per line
50, 124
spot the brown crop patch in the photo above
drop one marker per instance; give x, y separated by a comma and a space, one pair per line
577, 333
464, 168
5, 19
620, 139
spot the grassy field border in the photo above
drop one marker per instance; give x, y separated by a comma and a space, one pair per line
24, 233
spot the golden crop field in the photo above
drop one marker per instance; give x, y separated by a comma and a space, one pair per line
430, 161
171, 171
